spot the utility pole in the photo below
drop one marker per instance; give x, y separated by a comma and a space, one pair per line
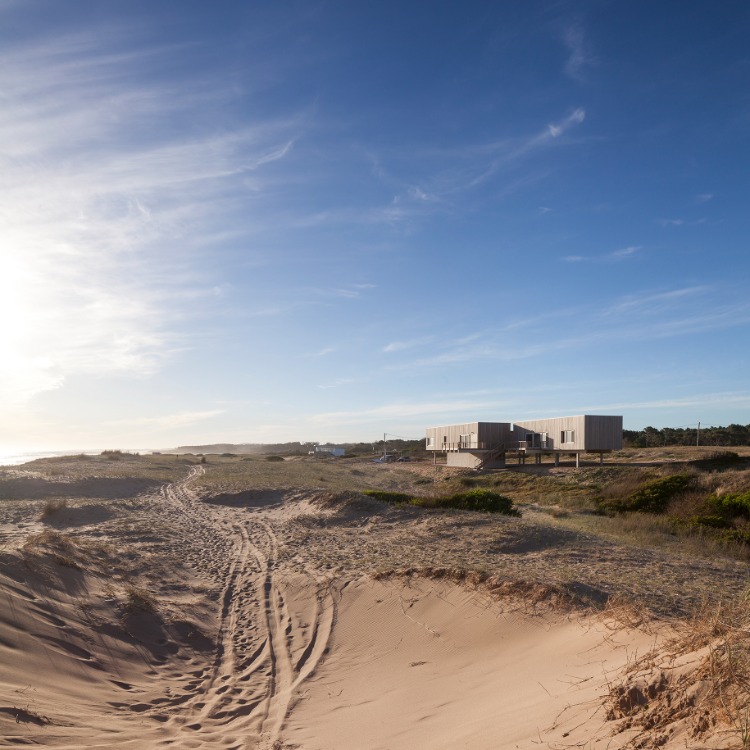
698, 436
384, 453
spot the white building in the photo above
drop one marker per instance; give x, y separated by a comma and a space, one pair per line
329, 450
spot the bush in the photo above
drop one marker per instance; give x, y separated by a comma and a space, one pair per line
389, 497
478, 499
731, 505
274, 458
653, 497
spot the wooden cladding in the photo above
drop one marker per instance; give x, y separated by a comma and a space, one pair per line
585, 432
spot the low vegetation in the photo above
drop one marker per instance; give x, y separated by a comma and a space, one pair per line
139, 599
482, 500
52, 506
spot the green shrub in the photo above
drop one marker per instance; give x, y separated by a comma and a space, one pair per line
714, 522
731, 505
389, 497
653, 497
478, 499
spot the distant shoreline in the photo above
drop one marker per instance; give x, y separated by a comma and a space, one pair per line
16, 458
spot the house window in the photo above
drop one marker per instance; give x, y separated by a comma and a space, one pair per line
568, 436
430, 441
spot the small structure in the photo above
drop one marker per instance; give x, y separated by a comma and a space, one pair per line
329, 450
484, 445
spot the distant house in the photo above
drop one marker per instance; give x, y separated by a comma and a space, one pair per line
329, 450
485, 444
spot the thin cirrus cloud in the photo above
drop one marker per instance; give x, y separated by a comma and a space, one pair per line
88, 190
469, 168
669, 313
399, 346
398, 410
613, 257
579, 57
168, 421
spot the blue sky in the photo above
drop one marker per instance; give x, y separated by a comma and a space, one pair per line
244, 221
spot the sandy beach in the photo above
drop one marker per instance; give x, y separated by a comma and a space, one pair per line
155, 608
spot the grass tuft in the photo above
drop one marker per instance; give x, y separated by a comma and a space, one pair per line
52, 506
138, 599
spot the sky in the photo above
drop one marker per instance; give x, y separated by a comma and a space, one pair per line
326, 221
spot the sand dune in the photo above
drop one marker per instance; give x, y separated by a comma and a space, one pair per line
167, 621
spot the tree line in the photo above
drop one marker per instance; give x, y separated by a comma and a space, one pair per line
651, 437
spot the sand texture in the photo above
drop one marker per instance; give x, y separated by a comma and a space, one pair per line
151, 614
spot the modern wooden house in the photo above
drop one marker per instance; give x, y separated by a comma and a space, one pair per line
485, 444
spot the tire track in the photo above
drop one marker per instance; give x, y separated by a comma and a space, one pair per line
264, 651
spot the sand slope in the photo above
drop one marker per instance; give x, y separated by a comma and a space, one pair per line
429, 664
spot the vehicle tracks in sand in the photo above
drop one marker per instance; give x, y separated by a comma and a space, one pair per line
274, 628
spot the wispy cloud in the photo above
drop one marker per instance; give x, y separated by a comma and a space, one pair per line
648, 315
670, 222
399, 346
337, 383
613, 257
652, 301
351, 291
324, 352
579, 56
167, 421
729, 398
402, 410
466, 168
704, 197
89, 189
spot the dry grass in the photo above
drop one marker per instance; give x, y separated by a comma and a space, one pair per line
52, 506
700, 679
61, 548
139, 599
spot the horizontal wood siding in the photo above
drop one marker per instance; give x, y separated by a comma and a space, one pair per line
590, 433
